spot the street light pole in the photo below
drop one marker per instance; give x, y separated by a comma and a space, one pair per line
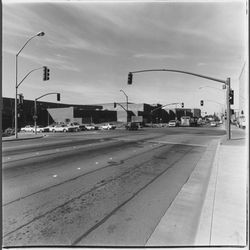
16, 92
126, 101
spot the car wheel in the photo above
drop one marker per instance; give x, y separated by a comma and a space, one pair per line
53, 131
64, 130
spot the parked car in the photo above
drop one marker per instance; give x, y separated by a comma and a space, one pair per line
91, 127
63, 128
132, 126
173, 123
82, 127
75, 126
213, 124
28, 128
8, 132
108, 126
41, 129
51, 127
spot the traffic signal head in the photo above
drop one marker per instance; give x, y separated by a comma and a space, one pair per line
182, 104
58, 97
21, 98
114, 104
45, 73
202, 102
231, 96
130, 78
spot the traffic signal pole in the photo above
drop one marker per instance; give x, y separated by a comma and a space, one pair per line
228, 123
35, 107
226, 82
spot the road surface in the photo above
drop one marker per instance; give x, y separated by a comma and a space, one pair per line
97, 188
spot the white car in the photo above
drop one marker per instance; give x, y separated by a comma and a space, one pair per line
91, 127
213, 124
62, 128
51, 127
172, 123
28, 128
41, 129
108, 126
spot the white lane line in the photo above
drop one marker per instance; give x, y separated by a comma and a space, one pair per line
97, 163
79, 168
55, 175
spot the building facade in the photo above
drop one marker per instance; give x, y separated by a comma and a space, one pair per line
48, 113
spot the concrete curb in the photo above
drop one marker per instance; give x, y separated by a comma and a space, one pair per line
5, 139
178, 227
203, 235
224, 219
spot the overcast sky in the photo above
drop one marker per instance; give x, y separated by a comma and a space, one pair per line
91, 47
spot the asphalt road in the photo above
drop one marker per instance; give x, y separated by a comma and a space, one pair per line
96, 188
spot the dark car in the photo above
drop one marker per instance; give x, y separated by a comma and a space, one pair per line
132, 126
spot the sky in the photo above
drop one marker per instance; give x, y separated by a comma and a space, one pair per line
90, 47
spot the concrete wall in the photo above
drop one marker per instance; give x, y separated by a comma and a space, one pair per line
62, 114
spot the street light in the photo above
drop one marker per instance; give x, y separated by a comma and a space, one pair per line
126, 101
41, 33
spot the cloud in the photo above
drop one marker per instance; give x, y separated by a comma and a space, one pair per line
201, 64
158, 56
71, 41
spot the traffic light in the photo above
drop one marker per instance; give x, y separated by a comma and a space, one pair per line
182, 104
114, 104
58, 97
45, 73
231, 96
130, 78
202, 102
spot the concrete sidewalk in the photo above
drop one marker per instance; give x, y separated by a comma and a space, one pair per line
22, 136
219, 216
